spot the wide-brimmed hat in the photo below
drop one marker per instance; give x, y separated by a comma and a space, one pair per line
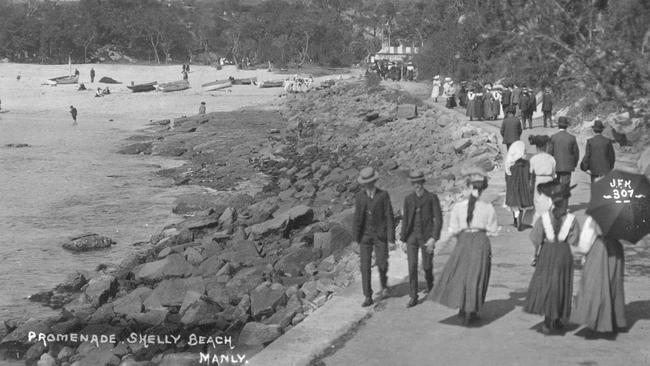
436, 77
598, 126
416, 176
563, 122
367, 175
447, 79
473, 174
555, 190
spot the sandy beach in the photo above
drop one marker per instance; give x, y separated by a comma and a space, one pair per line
71, 180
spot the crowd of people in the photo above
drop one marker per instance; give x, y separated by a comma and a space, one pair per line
491, 101
539, 187
396, 71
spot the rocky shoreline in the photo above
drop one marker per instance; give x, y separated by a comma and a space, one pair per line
269, 241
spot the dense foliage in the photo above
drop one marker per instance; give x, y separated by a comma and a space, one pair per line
602, 45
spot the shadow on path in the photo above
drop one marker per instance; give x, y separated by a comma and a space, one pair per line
492, 310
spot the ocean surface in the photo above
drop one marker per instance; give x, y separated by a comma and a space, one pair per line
70, 181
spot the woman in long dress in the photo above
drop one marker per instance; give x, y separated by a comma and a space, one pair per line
478, 105
600, 304
496, 102
471, 110
464, 280
435, 91
519, 196
487, 103
551, 287
542, 167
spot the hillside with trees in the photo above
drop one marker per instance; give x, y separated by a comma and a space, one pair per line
598, 45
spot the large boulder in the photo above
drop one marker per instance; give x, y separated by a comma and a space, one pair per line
132, 303
210, 266
293, 262
172, 292
254, 334
173, 265
265, 299
407, 111
100, 289
86, 242
293, 218
332, 241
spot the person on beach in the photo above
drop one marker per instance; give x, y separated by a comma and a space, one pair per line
551, 287
542, 170
18, 77
600, 303
373, 228
202, 108
510, 129
92, 75
76, 72
464, 280
518, 193
599, 156
420, 229
564, 148
185, 76
73, 113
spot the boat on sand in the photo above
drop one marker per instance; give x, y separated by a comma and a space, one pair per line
174, 86
137, 88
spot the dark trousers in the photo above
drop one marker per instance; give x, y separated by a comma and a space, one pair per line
508, 146
565, 180
368, 243
547, 117
414, 244
526, 117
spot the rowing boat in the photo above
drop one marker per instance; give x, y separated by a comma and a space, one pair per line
174, 86
216, 85
137, 88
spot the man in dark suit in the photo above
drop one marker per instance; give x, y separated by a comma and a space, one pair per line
373, 228
510, 128
599, 154
564, 148
421, 225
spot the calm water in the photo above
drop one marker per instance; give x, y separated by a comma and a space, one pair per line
70, 181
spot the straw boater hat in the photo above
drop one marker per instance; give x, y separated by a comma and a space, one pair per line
474, 174
367, 175
437, 77
598, 126
416, 176
447, 79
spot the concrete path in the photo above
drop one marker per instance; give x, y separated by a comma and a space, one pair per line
431, 334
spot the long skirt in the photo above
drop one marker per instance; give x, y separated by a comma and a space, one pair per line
471, 110
478, 108
600, 304
435, 92
465, 278
487, 108
551, 287
518, 192
496, 108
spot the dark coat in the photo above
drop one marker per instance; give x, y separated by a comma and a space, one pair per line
518, 185
564, 148
599, 156
547, 102
510, 129
431, 214
506, 97
376, 215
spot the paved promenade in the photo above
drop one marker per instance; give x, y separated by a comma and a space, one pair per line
431, 334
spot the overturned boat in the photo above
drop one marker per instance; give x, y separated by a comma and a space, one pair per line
174, 86
138, 88
216, 85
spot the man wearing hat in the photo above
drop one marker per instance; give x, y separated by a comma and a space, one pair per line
420, 228
510, 128
202, 108
564, 148
373, 229
599, 154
